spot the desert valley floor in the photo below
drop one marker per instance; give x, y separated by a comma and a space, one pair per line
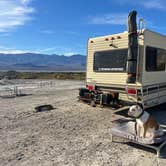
72, 134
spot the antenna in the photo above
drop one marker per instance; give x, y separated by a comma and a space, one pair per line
142, 25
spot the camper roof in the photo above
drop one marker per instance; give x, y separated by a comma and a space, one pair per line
123, 33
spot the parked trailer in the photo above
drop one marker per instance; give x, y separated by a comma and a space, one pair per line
128, 67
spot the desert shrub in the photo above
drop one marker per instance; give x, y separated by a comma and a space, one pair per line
44, 75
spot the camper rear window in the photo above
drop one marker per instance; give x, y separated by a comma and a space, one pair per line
155, 59
109, 61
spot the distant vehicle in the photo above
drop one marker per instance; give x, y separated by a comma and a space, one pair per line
129, 66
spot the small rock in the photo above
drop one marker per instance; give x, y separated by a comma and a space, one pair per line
63, 148
19, 156
99, 144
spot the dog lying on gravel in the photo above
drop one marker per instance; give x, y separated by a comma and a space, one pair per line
146, 125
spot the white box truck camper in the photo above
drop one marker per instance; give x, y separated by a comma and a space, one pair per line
128, 67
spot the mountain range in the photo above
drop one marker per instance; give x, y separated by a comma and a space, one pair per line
42, 62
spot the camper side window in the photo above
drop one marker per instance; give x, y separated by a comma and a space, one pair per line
155, 59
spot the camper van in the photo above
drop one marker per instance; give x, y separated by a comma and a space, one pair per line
128, 67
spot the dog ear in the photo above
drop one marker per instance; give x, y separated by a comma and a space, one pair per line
140, 105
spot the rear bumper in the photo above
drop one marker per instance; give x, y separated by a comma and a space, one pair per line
122, 90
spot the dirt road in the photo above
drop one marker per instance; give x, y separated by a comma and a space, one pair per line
73, 134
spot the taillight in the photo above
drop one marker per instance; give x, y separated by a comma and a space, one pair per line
131, 91
90, 87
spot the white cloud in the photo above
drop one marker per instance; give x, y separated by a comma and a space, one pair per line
25, 1
14, 13
113, 19
49, 32
70, 53
148, 4
66, 32
154, 4
57, 50
47, 49
4, 48
40, 51
14, 51
5, 34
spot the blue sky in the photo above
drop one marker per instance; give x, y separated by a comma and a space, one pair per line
63, 26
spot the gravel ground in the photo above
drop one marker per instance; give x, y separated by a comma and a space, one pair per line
72, 134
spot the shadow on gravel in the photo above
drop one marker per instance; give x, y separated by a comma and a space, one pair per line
140, 147
159, 113
122, 113
162, 152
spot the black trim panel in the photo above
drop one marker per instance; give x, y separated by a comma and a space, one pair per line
154, 89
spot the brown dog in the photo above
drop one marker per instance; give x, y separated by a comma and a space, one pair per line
146, 125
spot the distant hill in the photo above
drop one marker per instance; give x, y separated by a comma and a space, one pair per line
42, 62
